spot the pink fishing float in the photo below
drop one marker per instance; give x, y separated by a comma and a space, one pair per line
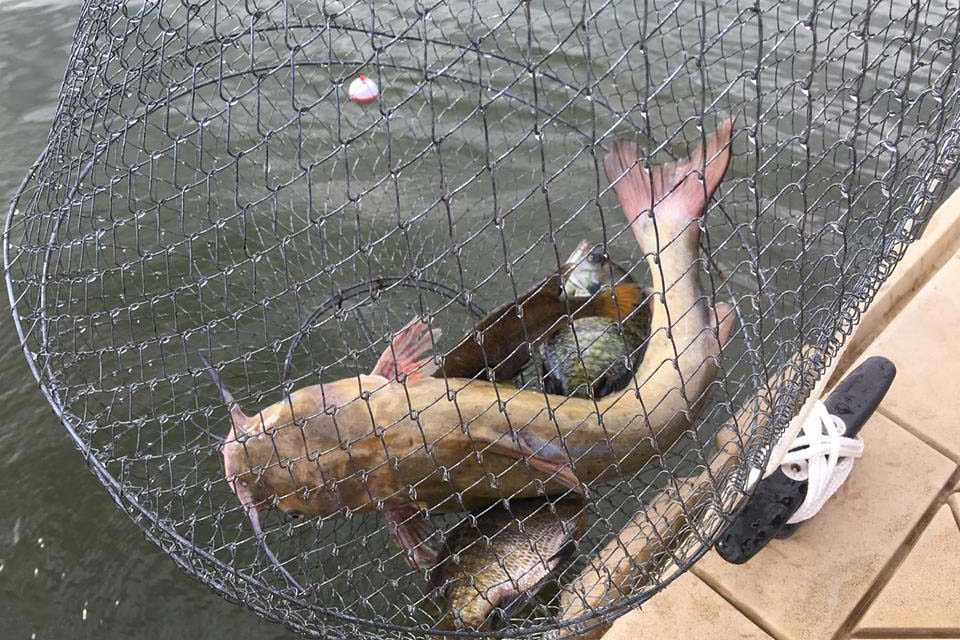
363, 90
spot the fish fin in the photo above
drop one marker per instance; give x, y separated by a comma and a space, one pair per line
237, 417
608, 384
502, 340
412, 533
618, 304
580, 253
673, 192
551, 384
512, 603
404, 358
519, 450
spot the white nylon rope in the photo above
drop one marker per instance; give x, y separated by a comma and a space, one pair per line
822, 456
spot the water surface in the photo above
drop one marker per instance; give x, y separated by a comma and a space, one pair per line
71, 565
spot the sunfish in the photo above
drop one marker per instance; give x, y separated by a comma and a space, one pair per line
596, 355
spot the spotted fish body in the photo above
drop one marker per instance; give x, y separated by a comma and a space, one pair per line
498, 558
597, 355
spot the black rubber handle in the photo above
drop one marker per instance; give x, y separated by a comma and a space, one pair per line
777, 497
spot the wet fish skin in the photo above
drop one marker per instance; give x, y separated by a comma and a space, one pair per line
499, 557
597, 355
380, 443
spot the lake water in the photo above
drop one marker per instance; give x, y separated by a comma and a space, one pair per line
71, 565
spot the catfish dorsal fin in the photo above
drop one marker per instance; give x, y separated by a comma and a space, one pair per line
405, 357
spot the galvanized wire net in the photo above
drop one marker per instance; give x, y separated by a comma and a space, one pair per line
208, 188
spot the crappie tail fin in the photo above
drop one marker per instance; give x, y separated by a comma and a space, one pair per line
405, 358
676, 193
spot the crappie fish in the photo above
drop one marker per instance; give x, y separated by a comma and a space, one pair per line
499, 557
597, 355
402, 442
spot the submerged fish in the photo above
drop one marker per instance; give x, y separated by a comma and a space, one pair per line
597, 355
400, 441
498, 558
349, 473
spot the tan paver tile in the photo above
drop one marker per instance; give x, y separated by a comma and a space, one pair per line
687, 608
954, 503
924, 592
924, 396
807, 586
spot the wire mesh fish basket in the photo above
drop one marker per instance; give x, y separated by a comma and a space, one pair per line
494, 353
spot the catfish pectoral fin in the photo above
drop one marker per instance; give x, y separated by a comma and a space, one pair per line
519, 450
412, 533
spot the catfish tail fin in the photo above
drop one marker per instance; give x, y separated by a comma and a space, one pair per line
672, 192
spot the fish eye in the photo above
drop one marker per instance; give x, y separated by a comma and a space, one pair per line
596, 255
293, 513
593, 287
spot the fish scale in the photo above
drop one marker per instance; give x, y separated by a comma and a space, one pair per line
500, 557
597, 355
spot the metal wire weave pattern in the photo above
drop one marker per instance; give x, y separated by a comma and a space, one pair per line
208, 187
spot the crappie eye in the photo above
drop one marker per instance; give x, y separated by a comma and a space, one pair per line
593, 287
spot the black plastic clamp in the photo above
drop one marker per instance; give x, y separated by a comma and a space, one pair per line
776, 498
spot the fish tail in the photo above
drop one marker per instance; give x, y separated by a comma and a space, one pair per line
673, 193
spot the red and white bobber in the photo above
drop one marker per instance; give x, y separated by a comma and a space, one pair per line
363, 90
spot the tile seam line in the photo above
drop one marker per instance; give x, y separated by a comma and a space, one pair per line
919, 633
748, 612
954, 507
873, 590
889, 569
919, 435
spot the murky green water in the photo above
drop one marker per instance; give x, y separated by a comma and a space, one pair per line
71, 565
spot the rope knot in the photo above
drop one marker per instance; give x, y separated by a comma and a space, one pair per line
823, 456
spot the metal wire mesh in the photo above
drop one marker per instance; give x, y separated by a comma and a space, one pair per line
207, 187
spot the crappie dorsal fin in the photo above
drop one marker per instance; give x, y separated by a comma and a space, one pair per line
504, 340
497, 342
405, 358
